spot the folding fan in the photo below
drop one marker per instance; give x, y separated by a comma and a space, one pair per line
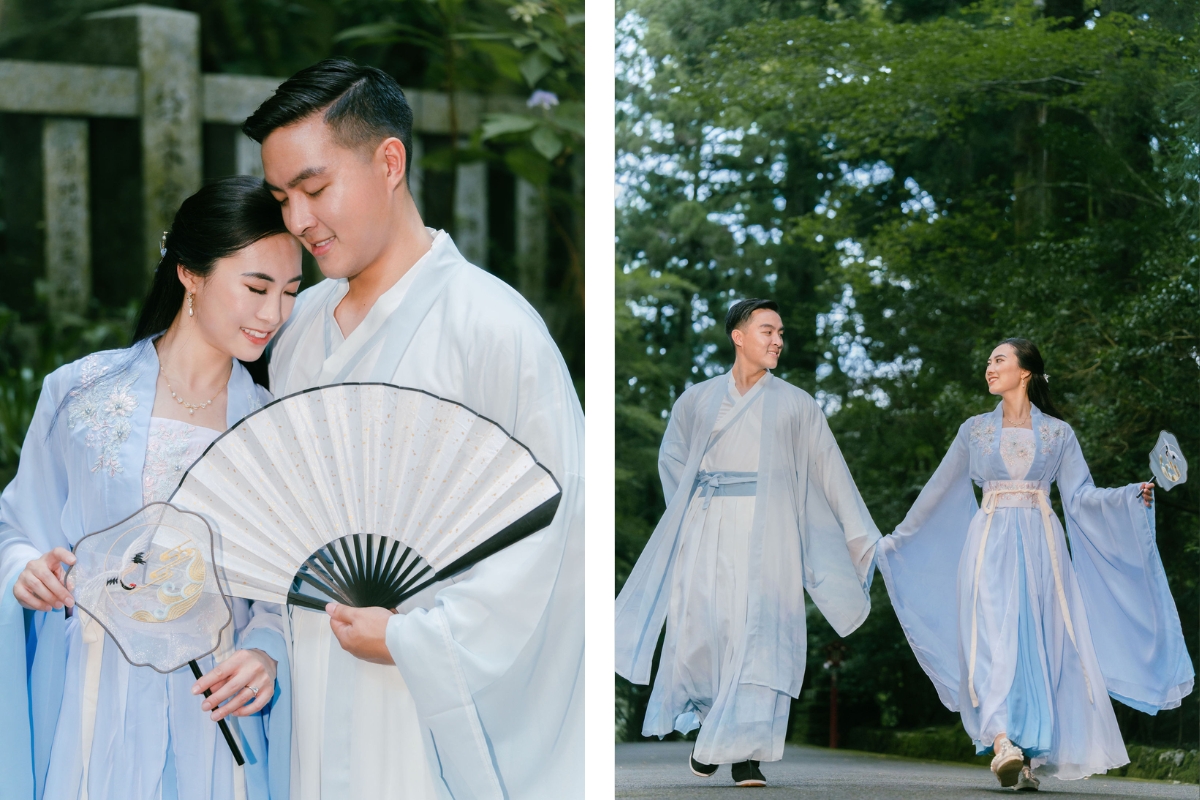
364, 492
149, 582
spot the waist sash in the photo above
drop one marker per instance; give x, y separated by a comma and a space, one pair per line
725, 484
1019, 494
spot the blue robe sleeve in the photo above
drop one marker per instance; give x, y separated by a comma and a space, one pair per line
673, 453
1137, 633
919, 563
267, 735
32, 644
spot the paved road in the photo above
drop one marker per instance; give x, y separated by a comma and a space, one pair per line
658, 771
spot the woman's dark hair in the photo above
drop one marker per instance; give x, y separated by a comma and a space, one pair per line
222, 218
740, 312
1038, 389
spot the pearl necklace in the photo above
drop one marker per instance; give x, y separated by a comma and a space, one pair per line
1017, 423
189, 406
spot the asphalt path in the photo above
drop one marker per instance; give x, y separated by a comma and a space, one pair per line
659, 771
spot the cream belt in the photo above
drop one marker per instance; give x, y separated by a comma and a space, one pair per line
1018, 494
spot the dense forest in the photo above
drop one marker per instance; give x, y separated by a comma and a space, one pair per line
913, 181
451, 46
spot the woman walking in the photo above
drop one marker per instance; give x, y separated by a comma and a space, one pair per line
112, 432
1026, 638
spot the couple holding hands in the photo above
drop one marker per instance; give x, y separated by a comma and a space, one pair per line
430, 701
1025, 638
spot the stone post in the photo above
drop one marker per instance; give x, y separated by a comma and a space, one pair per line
471, 212
65, 209
531, 243
171, 108
416, 174
247, 156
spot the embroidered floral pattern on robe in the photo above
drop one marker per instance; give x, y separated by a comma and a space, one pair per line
105, 406
983, 434
171, 448
1017, 449
1053, 432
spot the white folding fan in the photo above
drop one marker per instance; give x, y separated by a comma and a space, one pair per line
366, 492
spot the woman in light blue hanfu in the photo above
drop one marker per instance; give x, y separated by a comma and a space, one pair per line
112, 432
1023, 637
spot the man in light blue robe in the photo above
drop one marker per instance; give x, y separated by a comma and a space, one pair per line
477, 687
759, 504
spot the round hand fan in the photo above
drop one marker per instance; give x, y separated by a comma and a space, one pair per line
1167, 462
149, 582
364, 492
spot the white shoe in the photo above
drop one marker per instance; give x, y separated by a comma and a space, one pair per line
1027, 783
1008, 762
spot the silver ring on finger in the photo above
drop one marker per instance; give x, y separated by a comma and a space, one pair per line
253, 690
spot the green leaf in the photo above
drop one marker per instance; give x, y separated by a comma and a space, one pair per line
535, 67
499, 124
574, 19
527, 163
551, 49
546, 142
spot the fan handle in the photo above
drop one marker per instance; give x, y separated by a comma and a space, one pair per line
233, 748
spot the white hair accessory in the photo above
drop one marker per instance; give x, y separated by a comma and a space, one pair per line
1046, 376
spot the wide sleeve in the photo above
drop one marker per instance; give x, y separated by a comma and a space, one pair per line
30, 508
1138, 637
31, 505
919, 563
268, 733
673, 453
839, 536
495, 666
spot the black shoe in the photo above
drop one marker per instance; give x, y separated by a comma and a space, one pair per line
747, 773
701, 770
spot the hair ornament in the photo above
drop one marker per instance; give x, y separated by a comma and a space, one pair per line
1046, 377
162, 244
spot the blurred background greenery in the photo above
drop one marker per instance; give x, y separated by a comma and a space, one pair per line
913, 181
530, 50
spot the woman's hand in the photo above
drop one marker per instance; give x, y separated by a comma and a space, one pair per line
40, 585
233, 677
1148, 494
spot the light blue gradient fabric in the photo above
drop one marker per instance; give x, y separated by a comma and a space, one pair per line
81, 471
1128, 641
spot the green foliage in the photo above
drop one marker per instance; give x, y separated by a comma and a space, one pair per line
912, 193
32, 348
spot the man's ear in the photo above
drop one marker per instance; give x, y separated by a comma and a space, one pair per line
395, 161
737, 336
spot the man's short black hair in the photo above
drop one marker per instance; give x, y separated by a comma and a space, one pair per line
740, 312
362, 105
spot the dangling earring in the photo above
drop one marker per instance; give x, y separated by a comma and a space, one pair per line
191, 308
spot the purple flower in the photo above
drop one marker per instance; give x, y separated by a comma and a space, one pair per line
542, 99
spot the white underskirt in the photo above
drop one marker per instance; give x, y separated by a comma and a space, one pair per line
377, 728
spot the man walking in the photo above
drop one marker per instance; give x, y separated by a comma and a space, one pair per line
759, 504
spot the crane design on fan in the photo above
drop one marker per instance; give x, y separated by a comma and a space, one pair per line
366, 493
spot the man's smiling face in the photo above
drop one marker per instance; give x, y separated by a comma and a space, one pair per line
335, 199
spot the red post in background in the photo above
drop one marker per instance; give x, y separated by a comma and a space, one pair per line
835, 653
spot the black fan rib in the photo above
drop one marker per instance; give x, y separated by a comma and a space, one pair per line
363, 579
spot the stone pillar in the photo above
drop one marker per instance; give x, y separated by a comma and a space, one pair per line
531, 243
416, 174
171, 109
247, 156
471, 212
65, 209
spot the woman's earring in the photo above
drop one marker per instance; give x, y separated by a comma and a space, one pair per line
191, 308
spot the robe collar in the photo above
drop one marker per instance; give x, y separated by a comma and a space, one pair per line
363, 336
